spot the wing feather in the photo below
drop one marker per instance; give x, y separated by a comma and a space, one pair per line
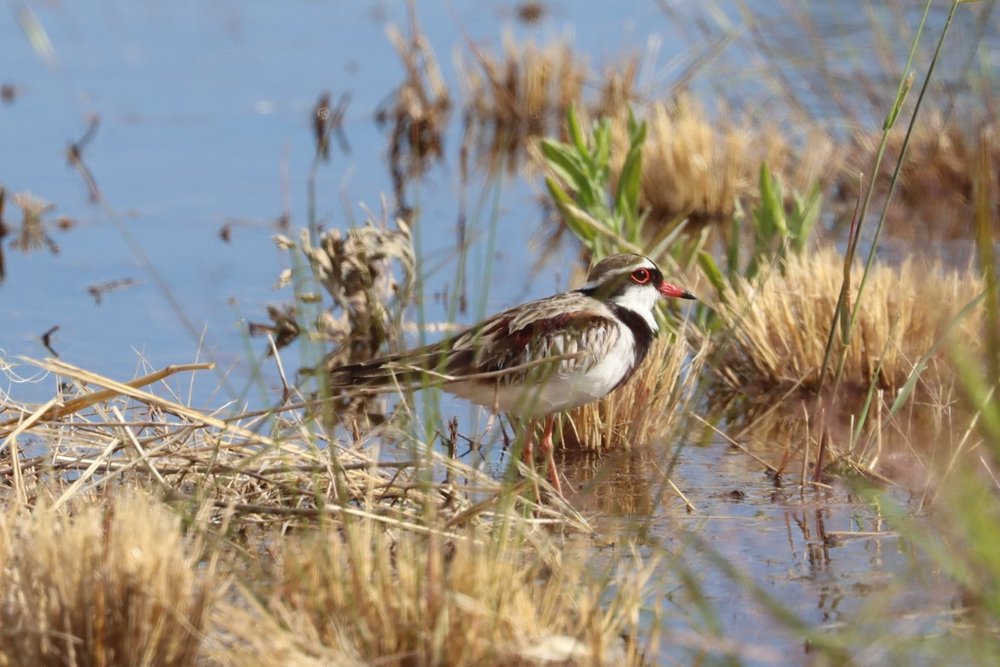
559, 335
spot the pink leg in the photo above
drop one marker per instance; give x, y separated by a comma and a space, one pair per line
528, 453
547, 448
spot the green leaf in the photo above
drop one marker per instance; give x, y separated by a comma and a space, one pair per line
805, 218
567, 209
561, 159
733, 248
602, 146
630, 181
712, 272
575, 131
771, 218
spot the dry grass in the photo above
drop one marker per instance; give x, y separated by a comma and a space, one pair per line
358, 268
364, 594
115, 580
294, 474
525, 92
699, 166
417, 113
803, 442
703, 165
391, 566
651, 405
768, 359
778, 324
934, 197
115, 583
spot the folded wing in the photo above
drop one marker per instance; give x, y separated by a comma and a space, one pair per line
561, 335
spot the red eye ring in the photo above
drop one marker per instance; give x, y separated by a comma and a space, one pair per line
641, 276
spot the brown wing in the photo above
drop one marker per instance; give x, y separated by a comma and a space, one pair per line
561, 334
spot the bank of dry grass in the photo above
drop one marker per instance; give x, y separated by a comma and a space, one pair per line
117, 579
776, 326
766, 364
935, 191
701, 165
107, 581
523, 91
363, 594
138, 530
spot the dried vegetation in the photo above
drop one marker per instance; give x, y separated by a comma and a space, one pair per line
104, 581
893, 414
935, 192
776, 326
524, 93
702, 166
417, 112
295, 548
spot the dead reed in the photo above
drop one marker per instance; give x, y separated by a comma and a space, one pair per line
362, 594
33, 234
397, 561
417, 113
935, 192
103, 583
368, 273
290, 475
777, 325
525, 91
703, 166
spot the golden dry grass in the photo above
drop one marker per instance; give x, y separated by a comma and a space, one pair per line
291, 475
525, 91
805, 441
651, 405
115, 579
777, 325
526, 85
104, 584
935, 191
417, 112
362, 594
391, 565
703, 164
700, 165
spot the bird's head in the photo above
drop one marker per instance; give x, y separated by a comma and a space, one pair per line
633, 282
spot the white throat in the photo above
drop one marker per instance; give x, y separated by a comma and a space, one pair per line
641, 300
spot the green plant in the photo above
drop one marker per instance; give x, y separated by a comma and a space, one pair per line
774, 232
605, 218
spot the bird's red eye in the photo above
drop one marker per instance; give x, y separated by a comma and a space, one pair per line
641, 276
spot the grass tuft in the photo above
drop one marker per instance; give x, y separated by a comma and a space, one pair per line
109, 584
526, 91
935, 192
360, 593
777, 324
702, 167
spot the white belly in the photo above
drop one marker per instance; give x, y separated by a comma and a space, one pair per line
561, 391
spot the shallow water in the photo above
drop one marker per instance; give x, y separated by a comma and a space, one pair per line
824, 554
205, 120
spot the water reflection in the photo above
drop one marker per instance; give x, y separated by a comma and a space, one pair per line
620, 484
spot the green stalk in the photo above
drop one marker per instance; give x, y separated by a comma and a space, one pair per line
890, 120
902, 154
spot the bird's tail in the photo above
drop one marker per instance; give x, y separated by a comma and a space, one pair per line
387, 373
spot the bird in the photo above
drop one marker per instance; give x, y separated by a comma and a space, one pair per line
540, 358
